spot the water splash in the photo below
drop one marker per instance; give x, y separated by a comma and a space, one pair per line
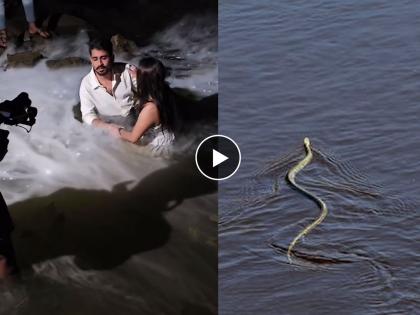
61, 152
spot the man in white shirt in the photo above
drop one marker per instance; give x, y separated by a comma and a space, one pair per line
106, 92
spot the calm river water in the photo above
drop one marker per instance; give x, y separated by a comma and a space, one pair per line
345, 74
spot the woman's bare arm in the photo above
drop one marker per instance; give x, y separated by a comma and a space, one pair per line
148, 117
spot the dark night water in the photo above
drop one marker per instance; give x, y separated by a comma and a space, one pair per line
346, 75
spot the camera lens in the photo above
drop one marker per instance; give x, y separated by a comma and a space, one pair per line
32, 112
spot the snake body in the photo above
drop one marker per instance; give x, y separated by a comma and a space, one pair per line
324, 210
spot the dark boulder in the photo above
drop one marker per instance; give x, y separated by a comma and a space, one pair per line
24, 59
137, 20
66, 62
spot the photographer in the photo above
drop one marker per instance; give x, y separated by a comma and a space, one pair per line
15, 112
7, 254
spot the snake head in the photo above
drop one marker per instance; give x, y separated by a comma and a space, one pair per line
306, 141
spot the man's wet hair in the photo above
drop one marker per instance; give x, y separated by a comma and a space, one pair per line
101, 43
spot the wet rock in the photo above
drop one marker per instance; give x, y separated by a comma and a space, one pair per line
24, 59
66, 62
122, 45
77, 113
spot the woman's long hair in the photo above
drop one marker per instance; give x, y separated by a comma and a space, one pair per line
152, 87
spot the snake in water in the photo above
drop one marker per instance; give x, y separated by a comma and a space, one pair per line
324, 210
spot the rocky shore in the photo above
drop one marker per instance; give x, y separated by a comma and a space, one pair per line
137, 20
130, 24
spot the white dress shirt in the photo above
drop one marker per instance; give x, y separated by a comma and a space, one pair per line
95, 100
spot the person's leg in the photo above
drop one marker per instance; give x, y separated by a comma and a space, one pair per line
2, 16
8, 264
4, 272
3, 36
28, 5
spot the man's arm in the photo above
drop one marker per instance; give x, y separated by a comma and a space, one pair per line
89, 113
113, 129
87, 106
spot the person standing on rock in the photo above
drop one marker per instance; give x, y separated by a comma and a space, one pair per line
106, 92
33, 30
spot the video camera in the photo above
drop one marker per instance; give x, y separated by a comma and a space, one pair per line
18, 111
14, 113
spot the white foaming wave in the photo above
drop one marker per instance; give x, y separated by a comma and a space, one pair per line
62, 46
202, 82
197, 39
189, 48
60, 152
63, 270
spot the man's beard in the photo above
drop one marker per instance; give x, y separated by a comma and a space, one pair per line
102, 70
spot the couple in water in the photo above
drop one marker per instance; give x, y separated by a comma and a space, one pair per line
132, 103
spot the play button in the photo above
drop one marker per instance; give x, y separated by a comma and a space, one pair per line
218, 157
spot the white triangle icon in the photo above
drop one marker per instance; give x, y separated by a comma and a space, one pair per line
218, 158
